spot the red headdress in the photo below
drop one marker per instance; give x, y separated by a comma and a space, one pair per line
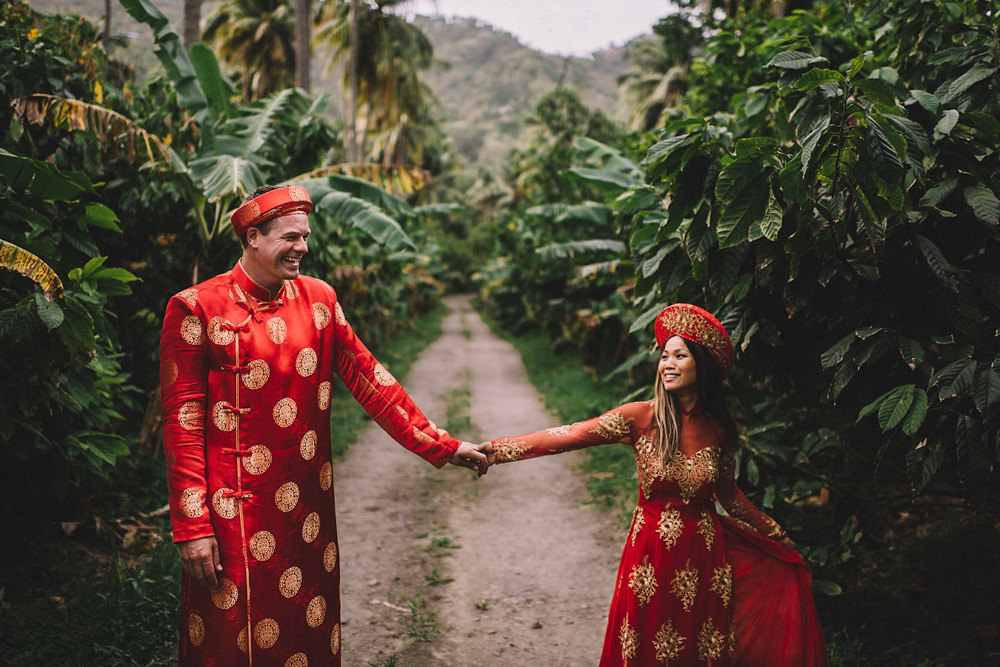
272, 204
699, 326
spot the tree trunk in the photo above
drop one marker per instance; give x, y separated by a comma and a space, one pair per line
192, 22
106, 38
352, 104
303, 44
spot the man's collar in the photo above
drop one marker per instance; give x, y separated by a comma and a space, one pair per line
251, 287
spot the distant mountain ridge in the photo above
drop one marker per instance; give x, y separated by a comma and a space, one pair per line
487, 84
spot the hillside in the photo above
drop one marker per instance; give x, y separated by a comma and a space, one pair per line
486, 83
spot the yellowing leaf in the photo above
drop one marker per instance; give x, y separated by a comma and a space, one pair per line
15, 258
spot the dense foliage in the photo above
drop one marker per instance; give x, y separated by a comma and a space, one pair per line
828, 186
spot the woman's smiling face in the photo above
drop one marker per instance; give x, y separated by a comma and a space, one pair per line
677, 370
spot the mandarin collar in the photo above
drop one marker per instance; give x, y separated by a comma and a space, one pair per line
695, 409
251, 287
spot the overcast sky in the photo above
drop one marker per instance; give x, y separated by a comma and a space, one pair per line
564, 27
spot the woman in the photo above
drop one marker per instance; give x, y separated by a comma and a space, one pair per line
693, 587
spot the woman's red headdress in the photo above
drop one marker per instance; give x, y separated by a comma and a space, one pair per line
699, 326
272, 204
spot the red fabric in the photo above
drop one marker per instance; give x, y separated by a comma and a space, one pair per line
699, 326
246, 386
272, 204
693, 588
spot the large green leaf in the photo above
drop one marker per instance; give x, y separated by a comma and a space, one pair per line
217, 88
350, 210
226, 177
42, 179
749, 204
19, 260
916, 414
976, 73
817, 77
984, 203
895, 406
574, 248
955, 379
587, 212
794, 60
365, 191
987, 393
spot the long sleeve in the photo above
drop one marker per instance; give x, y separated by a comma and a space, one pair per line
615, 426
738, 506
385, 400
183, 390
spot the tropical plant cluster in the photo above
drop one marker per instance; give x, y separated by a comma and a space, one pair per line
826, 184
116, 196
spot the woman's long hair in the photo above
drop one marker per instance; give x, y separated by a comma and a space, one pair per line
710, 396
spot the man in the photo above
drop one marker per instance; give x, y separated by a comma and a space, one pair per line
247, 364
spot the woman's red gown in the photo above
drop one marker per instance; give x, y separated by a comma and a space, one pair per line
694, 587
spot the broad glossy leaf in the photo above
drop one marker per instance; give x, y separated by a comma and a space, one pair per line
366, 217
42, 179
916, 414
939, 192
987, 394
928, 101
812, 141
836, 352
647, 317
976, 73
662, 149
984, 203
792, 60
936, 260
955, 379
947, 123
606, 176
49, 313
573, 248
895, 406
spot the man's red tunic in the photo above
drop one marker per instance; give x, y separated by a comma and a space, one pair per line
246, 384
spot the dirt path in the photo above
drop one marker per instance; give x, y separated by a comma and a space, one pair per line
443, 569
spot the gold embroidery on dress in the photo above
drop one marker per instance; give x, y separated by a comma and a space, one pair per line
276, 330
648, 465
196, 629
722, 583
262, 545
323, 395
731, 639
297, 660
638, 521
310, 528
190, 295
307, 447
259, 460
668, 643
290, 582
685, 586
191, 330
316, 611
191, 415
256, 375
613, 427
330, 557
642, 581
321, 315
192, 502
225, 506
706, 528
508, 449
559, 430
242, 642
629, 640
691, 472
335, 640
670, 528
225, 594
711, 642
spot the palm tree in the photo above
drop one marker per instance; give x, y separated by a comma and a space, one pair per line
660, 76
258, 38
303, 43
389, 55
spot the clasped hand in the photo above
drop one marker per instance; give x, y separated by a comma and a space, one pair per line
475, 457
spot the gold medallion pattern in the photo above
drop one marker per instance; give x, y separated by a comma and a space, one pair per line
225, 594
307, 448
668, 643
284, 412
310, 528
335, 640
191, 331
648, 465
711, 642
290, 582
287, 496
316, 611
220, 331
722, 583
257, 374
276, 330
508, 449
670, 528
242, 642
402, 413
265, 633
642, 581
168, 373
191, 415
323, 395
706, 528
326, 476
259, 460
321, 315
685, 586
613, 427
338, 312
306, 361
190, 295
628, 637
638, 521
192, 502
223, 418
297, 660
383, 376
262, 545
237, 294
196, 629
421, 436
330, 557
226, 507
